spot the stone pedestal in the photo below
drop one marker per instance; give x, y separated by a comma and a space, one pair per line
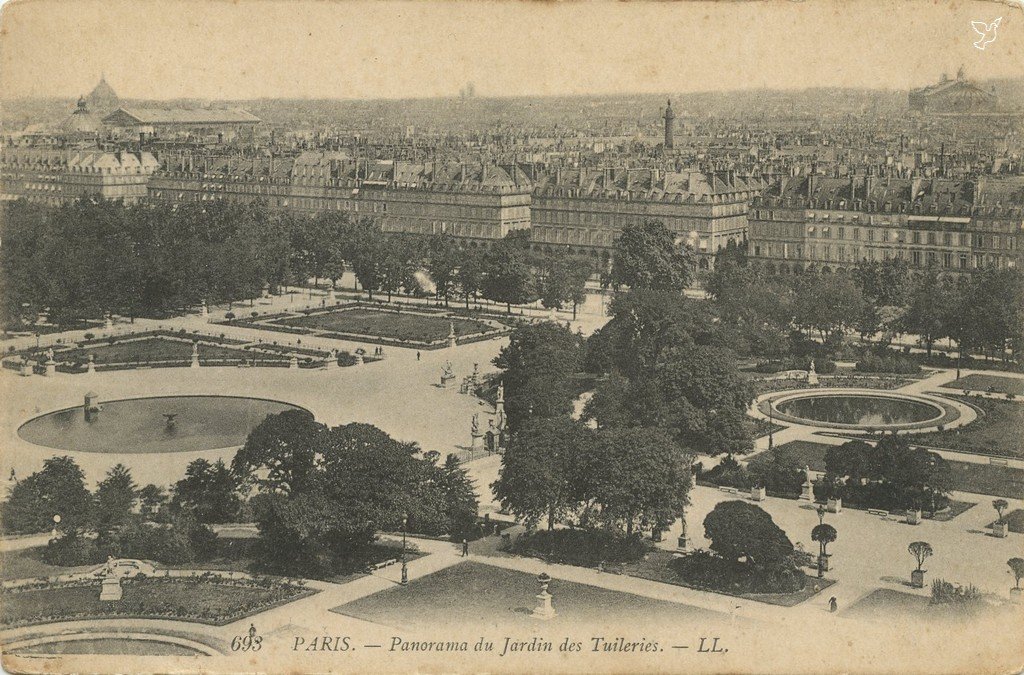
475, 441
331, 298
293, 363
543, 611
204, 311
681, 543
758, 494
195, 361
999, 530
913, 517
917, 578
111, 589
835, 506
108, 323
90, 367
359, 359
26, 368
51, 367
808, 492
823, 562
332, 361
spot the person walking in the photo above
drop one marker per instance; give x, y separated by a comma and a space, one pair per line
832, 604
465, 548
417, 356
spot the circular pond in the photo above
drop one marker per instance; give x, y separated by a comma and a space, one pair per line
159, 424
858, 410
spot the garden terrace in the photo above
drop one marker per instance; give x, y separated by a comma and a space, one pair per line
422, 328
207, 599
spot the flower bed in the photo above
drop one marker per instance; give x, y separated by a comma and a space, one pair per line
207, 599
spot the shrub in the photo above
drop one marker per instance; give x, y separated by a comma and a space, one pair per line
945, 593
704, 569
583, 547
873, 363
72, 549
89, 336
229, 316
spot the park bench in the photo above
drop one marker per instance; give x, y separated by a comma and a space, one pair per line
381, 565
998, 462
726, 488
879, 512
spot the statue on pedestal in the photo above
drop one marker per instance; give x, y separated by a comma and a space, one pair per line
544, 610
808, 486
447, 374
110, 589
195, 355
812, 375
451, 334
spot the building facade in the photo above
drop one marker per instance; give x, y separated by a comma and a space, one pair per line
586, 209
54, 177
830, 224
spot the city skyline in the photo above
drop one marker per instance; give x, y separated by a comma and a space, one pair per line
338, 51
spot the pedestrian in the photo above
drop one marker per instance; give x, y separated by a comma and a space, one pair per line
465, 548
417, 356
832, 604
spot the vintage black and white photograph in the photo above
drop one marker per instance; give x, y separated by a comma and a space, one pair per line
562, 337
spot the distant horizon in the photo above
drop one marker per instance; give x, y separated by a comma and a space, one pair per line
165, 50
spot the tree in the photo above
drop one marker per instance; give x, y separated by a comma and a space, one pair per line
824, 534
470, 274
115, 497
152, 499
1017, 567
1000, 505
208, 492
458, 496
279, 454
539, 363
539, 470
921, 550
508, 277
927, 304
741, 530
647, 256
57, 489
827, 303
563, 280
639, 478
443, 265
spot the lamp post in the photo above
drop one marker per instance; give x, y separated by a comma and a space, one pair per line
405, 568
771, 426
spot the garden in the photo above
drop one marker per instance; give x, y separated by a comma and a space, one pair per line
988, 383
997, 431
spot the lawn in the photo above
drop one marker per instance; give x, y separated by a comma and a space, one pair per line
28, 562
200, 601
997, 431
992, 383
988, 479
486, 596
401, 326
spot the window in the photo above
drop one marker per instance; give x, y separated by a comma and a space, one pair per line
947, 260
915, 237
915, 257
947, 239
963, 261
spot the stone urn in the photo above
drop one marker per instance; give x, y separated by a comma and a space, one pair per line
835, 505
917, 578
999, 529
913, 516
758, 494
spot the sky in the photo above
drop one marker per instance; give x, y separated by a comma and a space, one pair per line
351, 49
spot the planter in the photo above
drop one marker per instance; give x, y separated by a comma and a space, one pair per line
917, 578
999, 530
1015, 594
835, 505
913, 517
823, 562
757, 494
